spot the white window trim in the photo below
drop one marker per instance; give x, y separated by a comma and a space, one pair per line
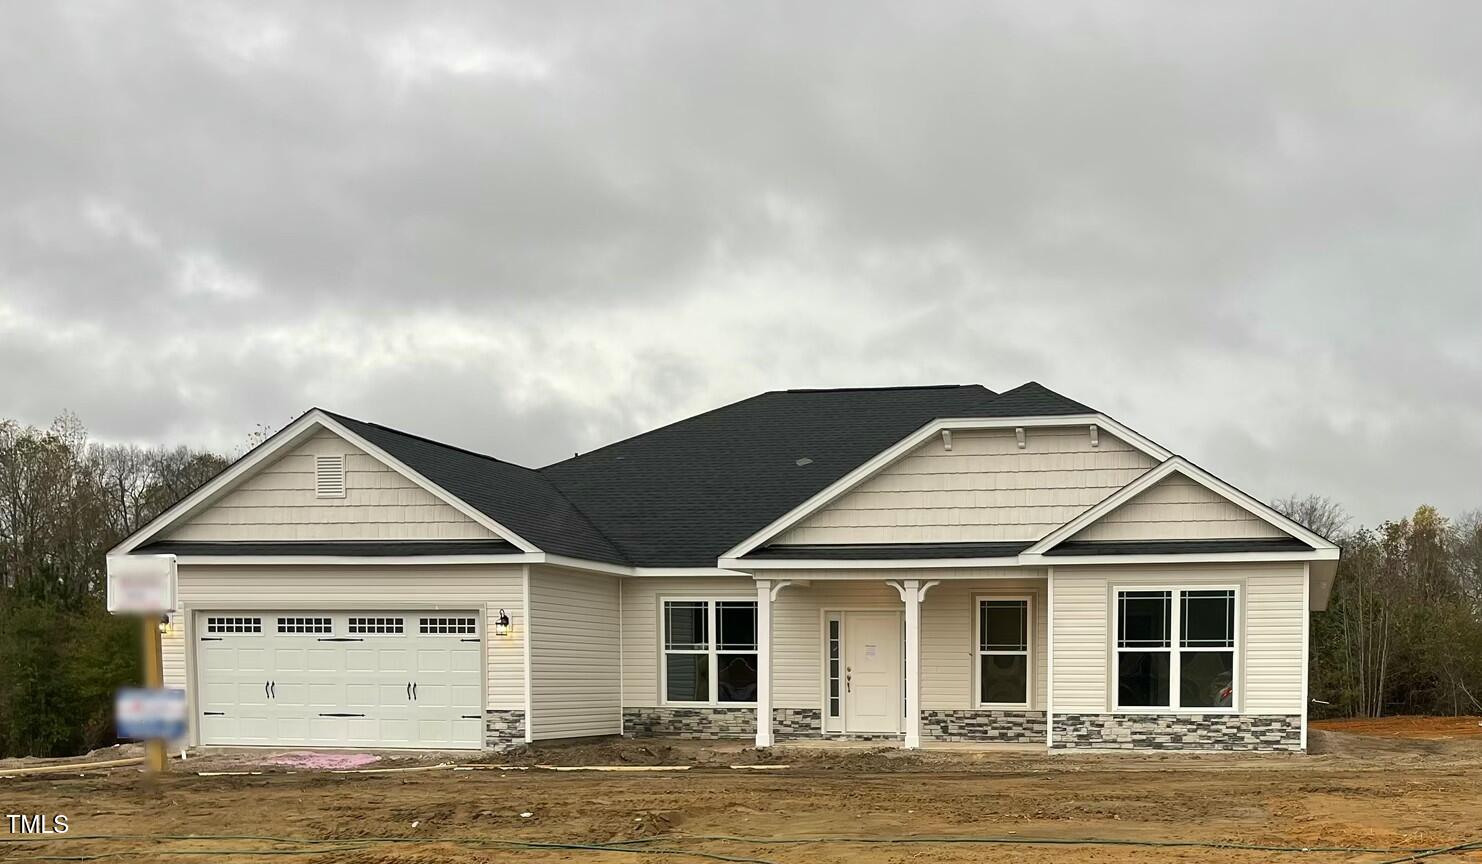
1237, 674
711, 650
978, 652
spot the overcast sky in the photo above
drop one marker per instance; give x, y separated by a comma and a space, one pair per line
1252, 232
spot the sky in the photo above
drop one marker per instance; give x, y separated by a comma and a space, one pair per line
1253, 231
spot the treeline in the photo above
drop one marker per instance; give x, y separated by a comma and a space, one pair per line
1402, 634
1403, 630
64, 502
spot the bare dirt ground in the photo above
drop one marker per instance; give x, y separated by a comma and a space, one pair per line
1389, 792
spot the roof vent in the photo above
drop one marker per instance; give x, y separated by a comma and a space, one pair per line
329, 476
803, 461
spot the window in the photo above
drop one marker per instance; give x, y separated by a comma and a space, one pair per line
233, 625
1176, 649
304, 625
453, 626
1003, 651
709, 651
833, 667
375, 626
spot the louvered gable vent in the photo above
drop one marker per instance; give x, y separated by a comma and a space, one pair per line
329, 476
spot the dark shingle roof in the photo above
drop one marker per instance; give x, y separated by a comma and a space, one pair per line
684, 494
889, 551
1176, 547
518, 498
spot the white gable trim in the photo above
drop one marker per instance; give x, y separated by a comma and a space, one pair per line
290, 436
1182, 466
921, 436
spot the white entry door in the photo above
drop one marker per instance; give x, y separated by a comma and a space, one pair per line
340, 679
872, 672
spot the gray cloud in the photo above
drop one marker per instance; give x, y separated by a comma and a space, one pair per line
1251, 232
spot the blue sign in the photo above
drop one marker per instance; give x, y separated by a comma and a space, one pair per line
144, 714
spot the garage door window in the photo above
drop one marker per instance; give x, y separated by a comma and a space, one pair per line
233, 625
376, 625
448, 626
304, 625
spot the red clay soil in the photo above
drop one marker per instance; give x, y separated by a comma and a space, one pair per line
1419, 727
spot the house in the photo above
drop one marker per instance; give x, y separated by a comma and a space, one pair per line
911, 564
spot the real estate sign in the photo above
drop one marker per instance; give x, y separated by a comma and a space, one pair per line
145, 714
141, 584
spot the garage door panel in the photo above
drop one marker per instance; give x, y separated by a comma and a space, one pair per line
317, 670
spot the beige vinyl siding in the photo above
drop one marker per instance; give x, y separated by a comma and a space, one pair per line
984, 489
642, 635
278, 502
310, 588
574, 654
948, 633
1178, 508
1272, 610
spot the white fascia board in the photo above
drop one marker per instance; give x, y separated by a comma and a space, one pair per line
288, 436
292, 434
439, 492
1182, 466
1064, 562
351, 560
868, 564
921, 436
1103, 507
662, 572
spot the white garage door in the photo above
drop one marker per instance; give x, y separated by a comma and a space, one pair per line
340, 679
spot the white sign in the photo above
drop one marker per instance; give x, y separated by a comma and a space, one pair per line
143, 584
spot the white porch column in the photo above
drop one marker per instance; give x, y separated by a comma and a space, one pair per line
763, 663
911, 595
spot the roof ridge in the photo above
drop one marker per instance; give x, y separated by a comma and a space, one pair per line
890, 387
423, 438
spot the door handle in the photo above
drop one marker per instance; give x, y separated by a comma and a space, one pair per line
266, 694
409, 691
273, 689
414, 691
848, 679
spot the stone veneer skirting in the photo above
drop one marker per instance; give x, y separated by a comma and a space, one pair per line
690, 722
504, 730
984, 725
1179, 731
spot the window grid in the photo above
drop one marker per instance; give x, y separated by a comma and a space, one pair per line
376, 626
1176, 608
448, 626
1004, 648
305, 625
707, 646
233, 625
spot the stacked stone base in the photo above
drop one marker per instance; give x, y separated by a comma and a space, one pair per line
1178, 731
504, 730
984, 726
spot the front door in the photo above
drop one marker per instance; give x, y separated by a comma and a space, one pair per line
872, 672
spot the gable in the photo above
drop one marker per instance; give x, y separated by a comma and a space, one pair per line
278, 501
985, 489
1179, 508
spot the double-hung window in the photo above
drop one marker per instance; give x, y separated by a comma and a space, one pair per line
1176, 649
1003, 651
710, 651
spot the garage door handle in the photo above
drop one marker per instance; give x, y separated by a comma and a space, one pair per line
469, 639
340, 639
414, 691
214, 713
341, 715
210, 638
409, 691
273, 689
470, 716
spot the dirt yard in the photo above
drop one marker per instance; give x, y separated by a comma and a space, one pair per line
1389, 793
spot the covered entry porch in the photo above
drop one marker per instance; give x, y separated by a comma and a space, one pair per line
950, 655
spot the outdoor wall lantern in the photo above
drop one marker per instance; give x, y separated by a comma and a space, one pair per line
501, 624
